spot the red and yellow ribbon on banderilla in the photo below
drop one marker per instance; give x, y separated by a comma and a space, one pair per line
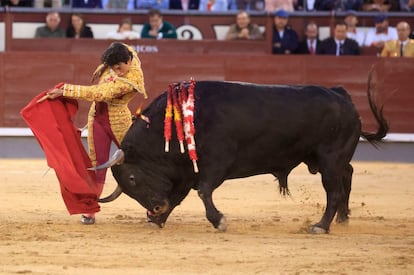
180, 106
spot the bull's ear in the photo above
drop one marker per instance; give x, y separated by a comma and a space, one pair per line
116, 158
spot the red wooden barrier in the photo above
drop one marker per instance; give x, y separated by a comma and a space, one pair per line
24, 74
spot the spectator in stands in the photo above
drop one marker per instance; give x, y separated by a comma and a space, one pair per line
305, 5
47, 4
352, 32
117, 4
89, 4
274, 5
157, 28
376, 5
285, 39
395, 5
339, 44
326, 5
17, 3
338, 5
184, 5
243, 29
214, 5
311, 43
77, 27
52, 28
407, 5
124, 32
348, 5
247, 5
151, 4
382, 33
401, 47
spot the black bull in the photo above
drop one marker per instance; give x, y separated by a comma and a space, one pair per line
244, 130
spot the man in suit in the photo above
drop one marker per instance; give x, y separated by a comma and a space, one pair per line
311, 43
285, 39
403, 46
339, 44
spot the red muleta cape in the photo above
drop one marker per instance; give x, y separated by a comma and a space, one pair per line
51, 123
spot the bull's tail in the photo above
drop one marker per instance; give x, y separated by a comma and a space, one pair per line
382, 130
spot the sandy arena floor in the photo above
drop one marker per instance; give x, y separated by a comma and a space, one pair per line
266, 232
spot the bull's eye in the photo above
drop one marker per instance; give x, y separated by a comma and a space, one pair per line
132, 180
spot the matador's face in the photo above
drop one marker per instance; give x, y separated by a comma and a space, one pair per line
121, 69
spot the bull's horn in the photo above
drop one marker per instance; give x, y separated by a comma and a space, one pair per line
116, 158
117, 192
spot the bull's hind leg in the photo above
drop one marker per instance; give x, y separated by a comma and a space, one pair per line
213, 215
332, 184
342, 214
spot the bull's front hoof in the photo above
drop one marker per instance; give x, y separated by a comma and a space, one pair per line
222, 226
314, 229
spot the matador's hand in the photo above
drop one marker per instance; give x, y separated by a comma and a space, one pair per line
55, 93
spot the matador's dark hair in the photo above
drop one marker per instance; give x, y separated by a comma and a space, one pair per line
115, 54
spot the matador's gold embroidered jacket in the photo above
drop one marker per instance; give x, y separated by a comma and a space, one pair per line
117, 92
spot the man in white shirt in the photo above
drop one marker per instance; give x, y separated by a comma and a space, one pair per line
124, 32
352, 32
382, 33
